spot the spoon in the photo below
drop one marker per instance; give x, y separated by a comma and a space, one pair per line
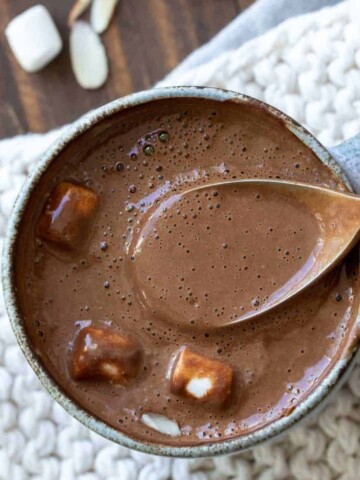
338, 215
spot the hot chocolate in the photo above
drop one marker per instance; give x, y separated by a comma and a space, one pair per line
129, 284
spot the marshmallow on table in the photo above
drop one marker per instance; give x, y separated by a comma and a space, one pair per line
34, 38
201, 378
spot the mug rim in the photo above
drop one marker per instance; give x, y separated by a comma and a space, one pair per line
329, 383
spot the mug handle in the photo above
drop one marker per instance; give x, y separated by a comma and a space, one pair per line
347, 155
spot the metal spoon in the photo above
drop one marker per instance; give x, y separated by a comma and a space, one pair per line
338, 215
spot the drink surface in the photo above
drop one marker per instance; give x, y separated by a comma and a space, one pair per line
163, 268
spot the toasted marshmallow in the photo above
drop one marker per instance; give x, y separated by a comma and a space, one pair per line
161, 424
100, 353
201, 378
67, 216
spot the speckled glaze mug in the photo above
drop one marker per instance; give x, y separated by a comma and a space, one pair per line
310, 404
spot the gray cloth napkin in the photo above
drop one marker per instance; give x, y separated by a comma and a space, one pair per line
347, 155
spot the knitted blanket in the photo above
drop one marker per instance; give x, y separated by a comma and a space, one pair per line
309, 67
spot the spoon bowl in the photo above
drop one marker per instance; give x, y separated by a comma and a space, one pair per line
338, 216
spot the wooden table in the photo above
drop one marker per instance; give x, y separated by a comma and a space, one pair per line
146, 39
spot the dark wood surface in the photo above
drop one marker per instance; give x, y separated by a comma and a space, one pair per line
146, 39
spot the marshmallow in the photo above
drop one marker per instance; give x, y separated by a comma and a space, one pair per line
201, 378
100, 353
67, 216
161, 424
34, 38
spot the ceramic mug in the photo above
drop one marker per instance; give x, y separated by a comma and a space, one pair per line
318, 396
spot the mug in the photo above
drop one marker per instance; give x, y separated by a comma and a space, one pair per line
311, 403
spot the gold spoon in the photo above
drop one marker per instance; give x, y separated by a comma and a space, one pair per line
338, 215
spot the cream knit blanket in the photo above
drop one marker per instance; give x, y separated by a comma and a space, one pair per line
309, 67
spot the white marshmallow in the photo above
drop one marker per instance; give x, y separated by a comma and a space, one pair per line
161, 424
34, 38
